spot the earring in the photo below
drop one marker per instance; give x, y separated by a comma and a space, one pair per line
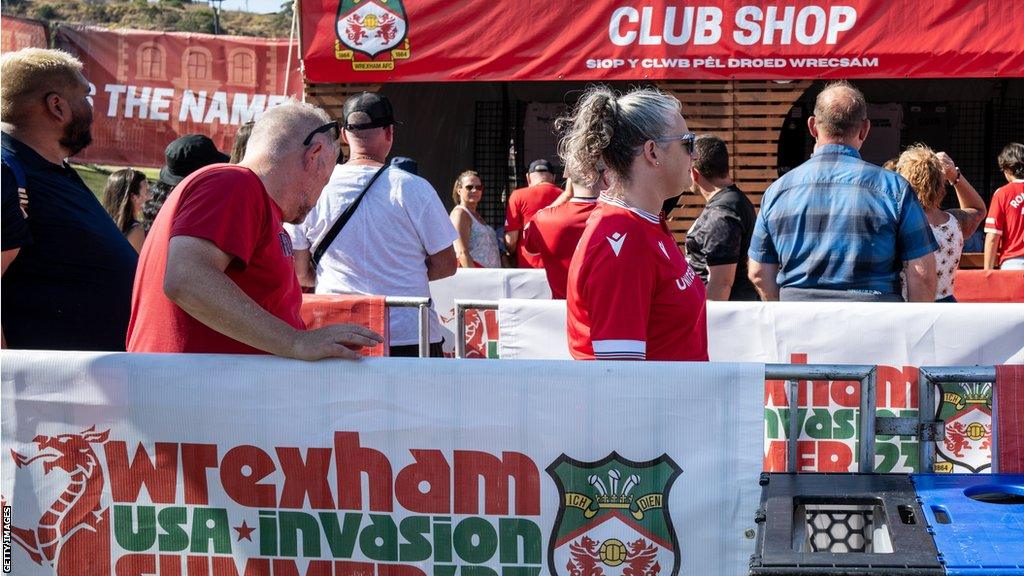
656, 163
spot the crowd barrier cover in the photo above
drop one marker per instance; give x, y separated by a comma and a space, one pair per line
131, 464
148, 88
443, 41
483, 284
899, 338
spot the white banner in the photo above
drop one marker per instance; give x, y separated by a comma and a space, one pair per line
130, 464
898, 338
483, 284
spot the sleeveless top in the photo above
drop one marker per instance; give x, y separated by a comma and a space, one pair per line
947, 258
483, 243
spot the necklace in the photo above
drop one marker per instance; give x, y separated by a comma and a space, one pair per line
367, 157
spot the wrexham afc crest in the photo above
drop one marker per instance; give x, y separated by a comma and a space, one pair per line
613, 519
368, 28
966, 409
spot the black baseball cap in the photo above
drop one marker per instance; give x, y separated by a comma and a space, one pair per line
188, 154
540, 166
374, 105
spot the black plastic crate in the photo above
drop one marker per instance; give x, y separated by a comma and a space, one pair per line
844, 524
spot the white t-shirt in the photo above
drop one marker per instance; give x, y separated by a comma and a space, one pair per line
383, 248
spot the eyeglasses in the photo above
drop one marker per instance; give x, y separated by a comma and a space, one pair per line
688, 140
472, 187
331, 127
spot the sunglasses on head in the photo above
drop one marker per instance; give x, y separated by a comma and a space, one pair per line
331, 127
689, 139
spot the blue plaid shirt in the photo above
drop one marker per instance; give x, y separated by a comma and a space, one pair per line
837, 222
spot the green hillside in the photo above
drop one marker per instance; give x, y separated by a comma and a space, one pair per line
164, 15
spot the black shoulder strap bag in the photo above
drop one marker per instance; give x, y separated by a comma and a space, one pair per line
324, 244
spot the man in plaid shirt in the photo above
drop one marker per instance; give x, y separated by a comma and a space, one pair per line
837, 227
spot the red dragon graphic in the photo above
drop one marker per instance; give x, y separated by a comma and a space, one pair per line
388, 30
641, 559
957, 440
73, 534
355, 31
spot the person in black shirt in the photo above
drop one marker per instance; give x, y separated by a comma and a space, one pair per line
67, 269
717, 242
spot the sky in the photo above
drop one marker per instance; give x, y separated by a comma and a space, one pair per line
261, 6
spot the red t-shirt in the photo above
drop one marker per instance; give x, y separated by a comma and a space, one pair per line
522, 205
1006, 218
228, 206
632, 296
553, 235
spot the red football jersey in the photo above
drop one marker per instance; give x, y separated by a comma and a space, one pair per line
631, 294
1006, 218
228, 206
553, 235
522, 205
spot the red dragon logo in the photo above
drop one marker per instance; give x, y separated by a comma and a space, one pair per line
385, 25
640, 559
73, 533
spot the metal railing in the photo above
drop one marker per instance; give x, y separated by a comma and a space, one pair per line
927, 428
423, 304
460, 320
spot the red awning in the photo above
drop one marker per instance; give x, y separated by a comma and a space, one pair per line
487, 40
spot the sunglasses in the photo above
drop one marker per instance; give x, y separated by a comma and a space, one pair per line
331, 127
472, 187
689, 139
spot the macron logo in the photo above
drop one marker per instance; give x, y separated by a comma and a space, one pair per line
616, 241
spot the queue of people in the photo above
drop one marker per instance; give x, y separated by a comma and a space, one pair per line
214, 256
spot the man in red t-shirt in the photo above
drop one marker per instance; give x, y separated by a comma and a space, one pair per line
556, 230
524, 203
216, 272
1004, 227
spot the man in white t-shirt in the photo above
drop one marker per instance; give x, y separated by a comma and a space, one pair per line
398, 238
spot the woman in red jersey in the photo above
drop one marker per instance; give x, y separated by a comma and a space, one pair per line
631, 294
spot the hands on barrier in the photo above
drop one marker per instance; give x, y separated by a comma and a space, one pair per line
333, 341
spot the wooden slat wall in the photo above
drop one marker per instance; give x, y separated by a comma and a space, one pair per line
748, 116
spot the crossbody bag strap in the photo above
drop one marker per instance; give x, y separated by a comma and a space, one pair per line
318, 252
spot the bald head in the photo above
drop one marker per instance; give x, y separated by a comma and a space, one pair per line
281, 129
840, 112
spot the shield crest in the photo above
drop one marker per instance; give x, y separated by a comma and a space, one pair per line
371, 26
613, 518
967, 411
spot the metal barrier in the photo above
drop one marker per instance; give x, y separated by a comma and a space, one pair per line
423, 304
926, 427
460, 320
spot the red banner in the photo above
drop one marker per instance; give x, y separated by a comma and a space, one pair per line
17, 33
483, 40
149, 88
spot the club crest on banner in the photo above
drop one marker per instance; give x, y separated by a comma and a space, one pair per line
367, 29
967, 411
613, 518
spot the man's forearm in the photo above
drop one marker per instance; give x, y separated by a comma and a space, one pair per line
720, 281
763, 276
991, 251
212, 298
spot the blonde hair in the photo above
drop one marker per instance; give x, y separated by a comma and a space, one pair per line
458, 184
30, 73
608, 126
921, 167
